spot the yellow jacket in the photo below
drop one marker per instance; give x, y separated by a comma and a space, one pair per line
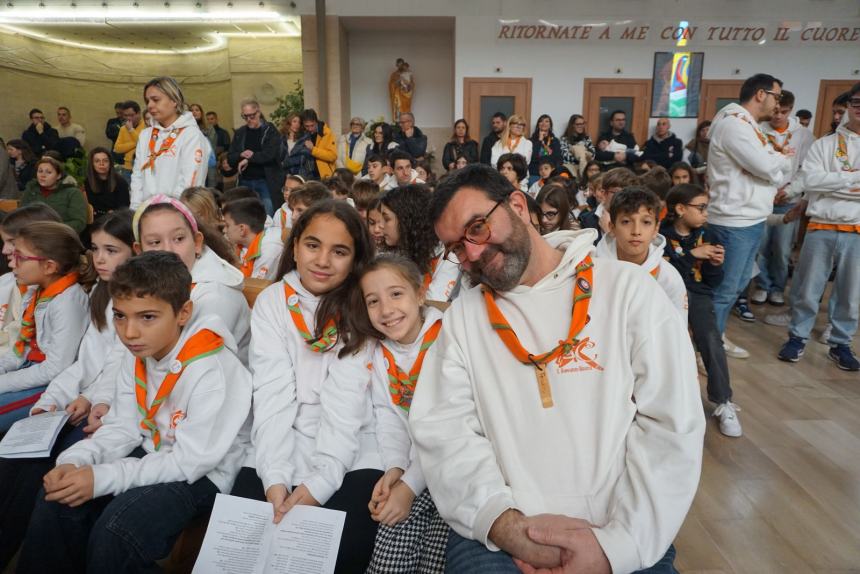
325, 151
126, 143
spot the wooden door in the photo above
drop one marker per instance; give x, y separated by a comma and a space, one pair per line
602, 96
716, 94
483, 97
828, 90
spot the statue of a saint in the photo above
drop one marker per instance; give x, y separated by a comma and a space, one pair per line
401, 88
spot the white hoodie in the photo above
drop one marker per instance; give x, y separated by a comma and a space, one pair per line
798, 137
313, 416
183, 165
200, 422
392, 430
218, 292
443, 283
620, 448
664, 272
828, 184
743, 172
93, 374
60, 325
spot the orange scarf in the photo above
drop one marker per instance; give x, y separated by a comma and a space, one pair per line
400, 385
582, 287
428, 277
165, 146
329, 334
27, 335
200, 345
252, 253
757, 131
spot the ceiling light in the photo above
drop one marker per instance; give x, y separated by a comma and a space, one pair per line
84, 16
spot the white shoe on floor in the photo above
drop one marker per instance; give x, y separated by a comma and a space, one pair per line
777, 299
824, 339
727, 414
778, 319
759, 296
733, 350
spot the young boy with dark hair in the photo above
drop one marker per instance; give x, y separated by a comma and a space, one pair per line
363, 194
611, 183
545, 166
633, 236
245, 227
377, 171
307, 195
173, 440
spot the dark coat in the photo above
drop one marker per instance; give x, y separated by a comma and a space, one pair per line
416, 146
267, 157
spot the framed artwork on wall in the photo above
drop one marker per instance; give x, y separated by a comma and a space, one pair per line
676, 84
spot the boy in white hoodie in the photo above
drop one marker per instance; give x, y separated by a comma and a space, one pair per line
634, 237
744, 173
259, 249
171, 442
603, 428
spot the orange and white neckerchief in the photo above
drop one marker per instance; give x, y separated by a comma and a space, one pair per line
27, 334
329, 332
758, 132
199, 345
655, 273
582, 288
401, 386
546, 147
513, 146
428, 277
778, 147
165, 145
842, 153
253, 252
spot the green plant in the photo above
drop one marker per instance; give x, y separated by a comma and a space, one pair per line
76, 166
292, 102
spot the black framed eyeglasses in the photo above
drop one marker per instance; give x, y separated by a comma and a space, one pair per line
854, 102
249, 116
776, 95
702, 207
477, 232
549, 214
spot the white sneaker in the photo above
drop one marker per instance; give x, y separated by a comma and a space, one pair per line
759, 296
733, 350
778, 319
727, 414
824, 339
776, 299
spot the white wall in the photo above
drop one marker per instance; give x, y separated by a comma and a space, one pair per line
431, 57
558, 69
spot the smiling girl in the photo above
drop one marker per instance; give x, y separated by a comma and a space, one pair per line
411, 533
313, 420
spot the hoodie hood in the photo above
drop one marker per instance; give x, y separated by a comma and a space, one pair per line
733, 109
793, 126
212, 269
198, 322
575, 245
185, 120
608, 247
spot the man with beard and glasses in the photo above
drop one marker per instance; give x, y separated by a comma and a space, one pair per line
559, 384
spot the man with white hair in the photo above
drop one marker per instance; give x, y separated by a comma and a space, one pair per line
663, 147
410, 138
254, 152
352, 146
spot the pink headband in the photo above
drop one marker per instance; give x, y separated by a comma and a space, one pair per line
161, 199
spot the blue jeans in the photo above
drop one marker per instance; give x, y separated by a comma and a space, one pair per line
261, 188
776, 244
126, 533
821, 249
16, 405
466, 556
741, 245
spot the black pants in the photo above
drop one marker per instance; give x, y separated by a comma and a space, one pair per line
706, 336
359, 529
20, 481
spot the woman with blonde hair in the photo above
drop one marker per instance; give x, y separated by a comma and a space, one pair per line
513, 140
172, 154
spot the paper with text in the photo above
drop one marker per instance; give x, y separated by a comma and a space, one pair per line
33, 437
242, 539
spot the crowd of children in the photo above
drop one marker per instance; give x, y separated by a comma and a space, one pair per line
177, 389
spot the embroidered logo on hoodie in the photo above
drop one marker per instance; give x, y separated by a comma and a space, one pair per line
579, 358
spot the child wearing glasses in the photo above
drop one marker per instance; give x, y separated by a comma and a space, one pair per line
692, 249
48, 257
554, 207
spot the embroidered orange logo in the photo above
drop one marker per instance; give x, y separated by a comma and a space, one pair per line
580, 358
175, 419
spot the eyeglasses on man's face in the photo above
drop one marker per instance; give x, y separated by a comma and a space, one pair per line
776, 95
476, 232
250, 116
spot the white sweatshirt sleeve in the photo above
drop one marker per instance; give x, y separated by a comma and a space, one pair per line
819, 178
66, 320
740, 141
192, 158
103, 390
140, 157
445, 424
664, 442
218, 409
344, 402
275, 401
64, 389
444, 282
266, 266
